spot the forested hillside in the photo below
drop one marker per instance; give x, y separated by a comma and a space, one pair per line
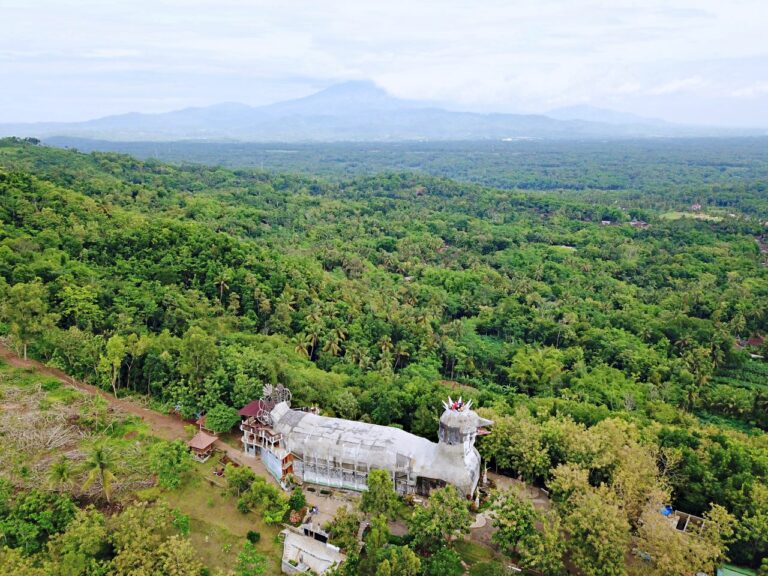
376, 296
660, 173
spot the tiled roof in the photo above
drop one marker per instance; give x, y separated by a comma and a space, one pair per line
202, 441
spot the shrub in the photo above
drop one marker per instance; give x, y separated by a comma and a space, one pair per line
297, 501
170, 461
239, 478
243, 506
250, 562
253, 536
295, 517
181, 522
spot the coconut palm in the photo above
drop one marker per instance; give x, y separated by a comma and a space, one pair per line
60, 473
99, 465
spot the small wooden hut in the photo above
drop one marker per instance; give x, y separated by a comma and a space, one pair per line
201, 446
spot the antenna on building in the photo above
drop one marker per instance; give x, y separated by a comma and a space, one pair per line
271, 396
281, 394
265, 417
276, 394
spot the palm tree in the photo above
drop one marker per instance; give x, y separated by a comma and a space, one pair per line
99, 465
222, 281
401, 351
334, 340
60, 473
385, 343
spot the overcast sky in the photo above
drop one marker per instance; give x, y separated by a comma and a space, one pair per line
703, 61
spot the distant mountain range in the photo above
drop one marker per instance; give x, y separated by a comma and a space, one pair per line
604, 116
359, 111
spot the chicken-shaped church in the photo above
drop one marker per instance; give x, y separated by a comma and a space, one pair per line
340, 453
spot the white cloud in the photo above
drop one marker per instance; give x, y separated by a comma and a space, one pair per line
111, 53
675, 86
752, 91
78, 56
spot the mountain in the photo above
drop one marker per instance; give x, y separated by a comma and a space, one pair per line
343, 99
353, 111
604, 115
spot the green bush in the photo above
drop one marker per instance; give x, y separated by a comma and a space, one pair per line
266, 498
221, 418
49, 385
243, 506
239, 478
297, 501
170, 461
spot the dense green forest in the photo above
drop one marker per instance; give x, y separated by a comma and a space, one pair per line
588, 311
647, 173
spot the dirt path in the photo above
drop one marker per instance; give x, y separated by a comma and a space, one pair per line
163, 426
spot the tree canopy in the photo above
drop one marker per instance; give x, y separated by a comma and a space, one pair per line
603, 323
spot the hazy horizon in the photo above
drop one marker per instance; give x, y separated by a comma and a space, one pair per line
687, 62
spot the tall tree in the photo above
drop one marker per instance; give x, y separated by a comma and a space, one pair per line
82, 549
135, 347
444, 562
80, 306
445, 516
402, 562
198, 355
380, 496
170, 461
25, 307
221, 418
344, 528
514, 518
375, 543
145, 540
100, 465
598, 534
536, 370
111, 361
177, 557
667, 551
543, 550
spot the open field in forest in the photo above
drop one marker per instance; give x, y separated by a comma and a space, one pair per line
674, 215
217, 527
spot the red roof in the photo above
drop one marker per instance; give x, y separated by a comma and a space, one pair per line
253, 408
202, 441
756, 341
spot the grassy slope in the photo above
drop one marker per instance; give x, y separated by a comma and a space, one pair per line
218, 530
